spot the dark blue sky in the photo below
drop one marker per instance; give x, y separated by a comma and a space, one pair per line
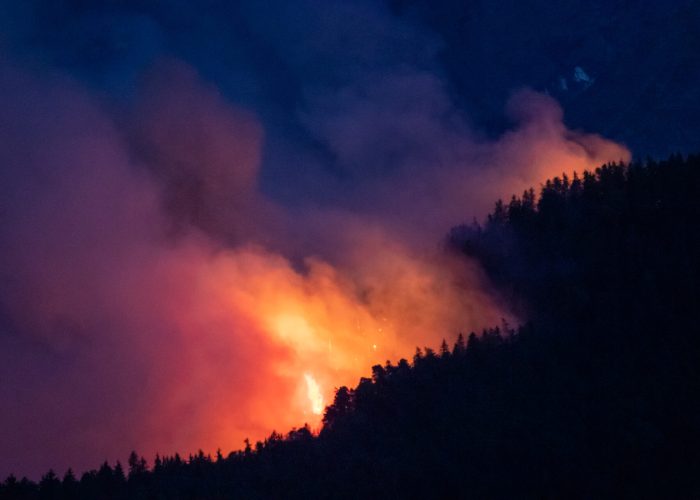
286, 60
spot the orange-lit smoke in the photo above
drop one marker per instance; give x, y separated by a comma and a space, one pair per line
182, 309
372, 283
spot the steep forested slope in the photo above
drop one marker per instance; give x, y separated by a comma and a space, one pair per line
598, 396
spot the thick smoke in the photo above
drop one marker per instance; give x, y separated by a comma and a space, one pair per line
175, 268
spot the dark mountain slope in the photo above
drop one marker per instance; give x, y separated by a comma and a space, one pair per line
597, 397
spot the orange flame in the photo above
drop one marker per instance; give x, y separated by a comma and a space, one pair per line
313, 392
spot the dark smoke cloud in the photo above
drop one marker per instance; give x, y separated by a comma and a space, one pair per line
200, 205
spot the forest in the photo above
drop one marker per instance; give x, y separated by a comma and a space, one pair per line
597, 395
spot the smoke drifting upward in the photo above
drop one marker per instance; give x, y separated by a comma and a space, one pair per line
154, 297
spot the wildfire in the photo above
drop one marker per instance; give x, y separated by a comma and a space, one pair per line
223, 321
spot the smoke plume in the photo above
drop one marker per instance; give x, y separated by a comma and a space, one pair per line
156, 295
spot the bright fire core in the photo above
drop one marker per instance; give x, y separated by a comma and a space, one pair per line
313, 392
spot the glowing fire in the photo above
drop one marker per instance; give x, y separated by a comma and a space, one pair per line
323, 330
269, 338
313, 392
228, 335
297, 334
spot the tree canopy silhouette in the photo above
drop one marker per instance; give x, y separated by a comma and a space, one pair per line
597, 396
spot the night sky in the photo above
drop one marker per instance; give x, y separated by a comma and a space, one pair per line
213, 213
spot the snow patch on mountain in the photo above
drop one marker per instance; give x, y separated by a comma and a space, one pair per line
581, 76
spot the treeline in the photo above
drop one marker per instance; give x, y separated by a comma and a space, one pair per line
617, 245
597, 397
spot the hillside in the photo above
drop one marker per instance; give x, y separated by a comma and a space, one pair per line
597, 396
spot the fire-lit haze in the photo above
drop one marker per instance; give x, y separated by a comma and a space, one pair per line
180, 270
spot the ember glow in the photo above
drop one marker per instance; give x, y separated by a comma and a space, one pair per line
157, 298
